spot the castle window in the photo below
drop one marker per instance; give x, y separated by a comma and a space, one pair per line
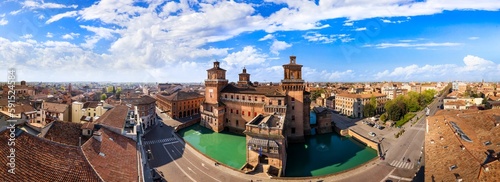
255, 98
279, 102
262, 99
225, 96
255, 114
248, 113
237, 97
237, 123
293, 130
231, 111
293, 99
236, 111
293, 117
231, 96
293, 107
243, 113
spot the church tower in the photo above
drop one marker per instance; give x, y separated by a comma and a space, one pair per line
212, 111
293, 85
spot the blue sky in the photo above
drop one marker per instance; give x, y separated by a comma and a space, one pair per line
176, 41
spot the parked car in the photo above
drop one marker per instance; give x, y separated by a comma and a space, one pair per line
372, 134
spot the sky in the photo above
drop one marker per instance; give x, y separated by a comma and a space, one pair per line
177, 41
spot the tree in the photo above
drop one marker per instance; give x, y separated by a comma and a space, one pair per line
103, 97
118, 93
368, 110
383, 117
114, 90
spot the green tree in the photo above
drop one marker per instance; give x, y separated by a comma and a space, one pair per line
368, 110
103, 97
383, 117
118, 93
114, 90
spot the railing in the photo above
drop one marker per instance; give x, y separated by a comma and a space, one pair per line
275, 108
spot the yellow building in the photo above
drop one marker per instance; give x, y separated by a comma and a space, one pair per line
353, 104
86, 112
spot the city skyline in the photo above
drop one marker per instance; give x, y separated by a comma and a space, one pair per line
336, 41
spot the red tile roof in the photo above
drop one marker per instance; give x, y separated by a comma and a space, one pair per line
66, 133
115, 117
55, 107
119, 162
38, 159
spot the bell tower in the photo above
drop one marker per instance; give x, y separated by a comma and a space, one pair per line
215, 82
244, 78
293, 85
212, 111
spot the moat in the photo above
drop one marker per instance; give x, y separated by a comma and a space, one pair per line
319, 155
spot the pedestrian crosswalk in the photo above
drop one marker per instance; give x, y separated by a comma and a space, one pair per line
165, 140
402, 164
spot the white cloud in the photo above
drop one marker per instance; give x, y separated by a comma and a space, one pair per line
317, 37
267, 37
36, 5
473, 68
27, 36
473, 38
70, 36
395, 21
348, 24
60, 16
417, 45
360, 29
248, 56
49, 35
41, 17
3, 21
278, 46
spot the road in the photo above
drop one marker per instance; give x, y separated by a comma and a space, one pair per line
179, 162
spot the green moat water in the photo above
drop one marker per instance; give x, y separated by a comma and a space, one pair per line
225, 147
319, 155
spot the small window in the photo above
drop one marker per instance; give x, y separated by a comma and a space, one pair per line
279, 102
237, 123
231, 111
231, 96
237, 97
293, 99
293, 107
225, 96
255, 114
293, 130
248, 113
255, 99
243, 98
243, 113
293, 117
236, 111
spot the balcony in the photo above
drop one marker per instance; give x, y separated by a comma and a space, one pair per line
275, 108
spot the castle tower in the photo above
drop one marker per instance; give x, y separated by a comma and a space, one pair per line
212, 112
293, 85
244, 78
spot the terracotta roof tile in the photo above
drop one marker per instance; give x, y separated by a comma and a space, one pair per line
38, 159
55, 107
114, 117
274, 90
479, 126
66, 133
119, 162
180, 95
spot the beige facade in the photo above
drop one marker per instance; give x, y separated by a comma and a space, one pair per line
86, 112
353, 104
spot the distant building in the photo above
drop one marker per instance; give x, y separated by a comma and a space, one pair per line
353, 104
180, 104
54, 111
145, 109
330, 102
20, 90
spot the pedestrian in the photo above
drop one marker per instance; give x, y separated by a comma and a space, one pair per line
403, 158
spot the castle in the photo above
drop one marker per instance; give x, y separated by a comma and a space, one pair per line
269, 115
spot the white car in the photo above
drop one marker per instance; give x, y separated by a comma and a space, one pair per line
372, 134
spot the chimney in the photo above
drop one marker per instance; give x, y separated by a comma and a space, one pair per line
98, 136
